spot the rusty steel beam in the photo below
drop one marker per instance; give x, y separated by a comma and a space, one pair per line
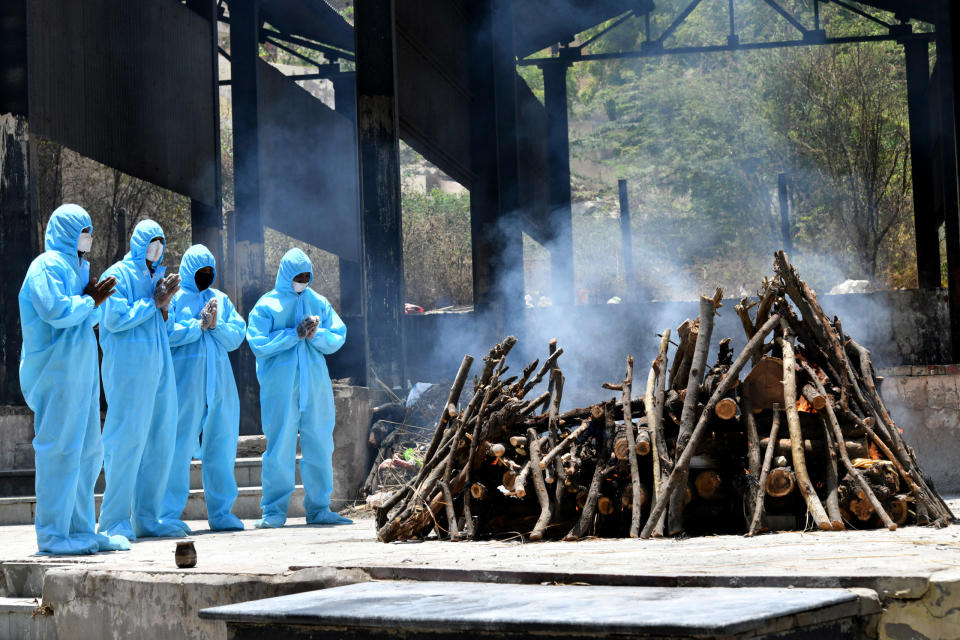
379, 159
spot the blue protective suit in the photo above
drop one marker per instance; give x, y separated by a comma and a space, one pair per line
207, 393
61, 384
140, 430
296, 395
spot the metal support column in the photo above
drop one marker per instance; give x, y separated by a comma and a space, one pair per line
380, 220
205, 228
495, 228
921, 149
18, 244
244, 54
558, 170
786, 235
206, 220
947, 35
18, 216
626, 244
508, 265
483, 190
351, 272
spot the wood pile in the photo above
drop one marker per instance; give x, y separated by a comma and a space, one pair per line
804, 439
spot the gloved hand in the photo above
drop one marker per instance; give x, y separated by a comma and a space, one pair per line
100, 291
314, 327
308, 327
208, 317
164, 290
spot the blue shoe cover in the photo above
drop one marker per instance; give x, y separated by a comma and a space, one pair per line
119, 529
270, 522
160, 529
228, 522
77, 545
179, 523
112, 543
325, 516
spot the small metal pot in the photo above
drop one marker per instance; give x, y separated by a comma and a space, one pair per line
186, 555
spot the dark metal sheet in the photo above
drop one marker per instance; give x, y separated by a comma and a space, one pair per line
433, 101
313, 19
130, 85
533, 172
926, 10
541, 23
13, 57
308, 174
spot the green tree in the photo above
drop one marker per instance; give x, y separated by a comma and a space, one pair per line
844, 113
437, 259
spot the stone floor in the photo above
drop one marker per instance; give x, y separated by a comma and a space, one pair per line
915, 571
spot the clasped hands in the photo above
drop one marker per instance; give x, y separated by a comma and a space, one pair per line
208, 317
308, 327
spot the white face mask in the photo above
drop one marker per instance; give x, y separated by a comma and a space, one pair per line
154, 250
298, 287
85, 242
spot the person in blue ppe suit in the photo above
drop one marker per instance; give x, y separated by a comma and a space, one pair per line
290, 330
59, 377
204, 328
140, 431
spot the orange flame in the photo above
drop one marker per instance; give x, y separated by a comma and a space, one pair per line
875, 452
804, 406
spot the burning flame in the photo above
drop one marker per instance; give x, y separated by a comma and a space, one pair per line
875, 452
803, 406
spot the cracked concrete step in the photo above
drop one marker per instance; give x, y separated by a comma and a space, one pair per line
247, 471
21, 510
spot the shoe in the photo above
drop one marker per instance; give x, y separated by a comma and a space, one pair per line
119, 529
112, 543
179, 523
228, 522
325, 516
270, 522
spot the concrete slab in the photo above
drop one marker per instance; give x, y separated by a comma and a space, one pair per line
25, 619
16, 436
925, 403
161, 605
914, 568
899, 563
384, 609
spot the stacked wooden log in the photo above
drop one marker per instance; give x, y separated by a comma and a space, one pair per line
803, 439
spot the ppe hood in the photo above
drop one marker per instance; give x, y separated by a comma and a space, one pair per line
195, 258
293, 263
64, 227
143, 233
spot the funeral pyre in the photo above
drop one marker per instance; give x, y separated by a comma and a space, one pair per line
803, 440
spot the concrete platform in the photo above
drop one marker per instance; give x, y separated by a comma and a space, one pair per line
915, 571
434, 610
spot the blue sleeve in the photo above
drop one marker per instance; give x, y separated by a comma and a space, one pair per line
54, 305
231, 328
331, 334
263, 340
181, 330
121, 313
